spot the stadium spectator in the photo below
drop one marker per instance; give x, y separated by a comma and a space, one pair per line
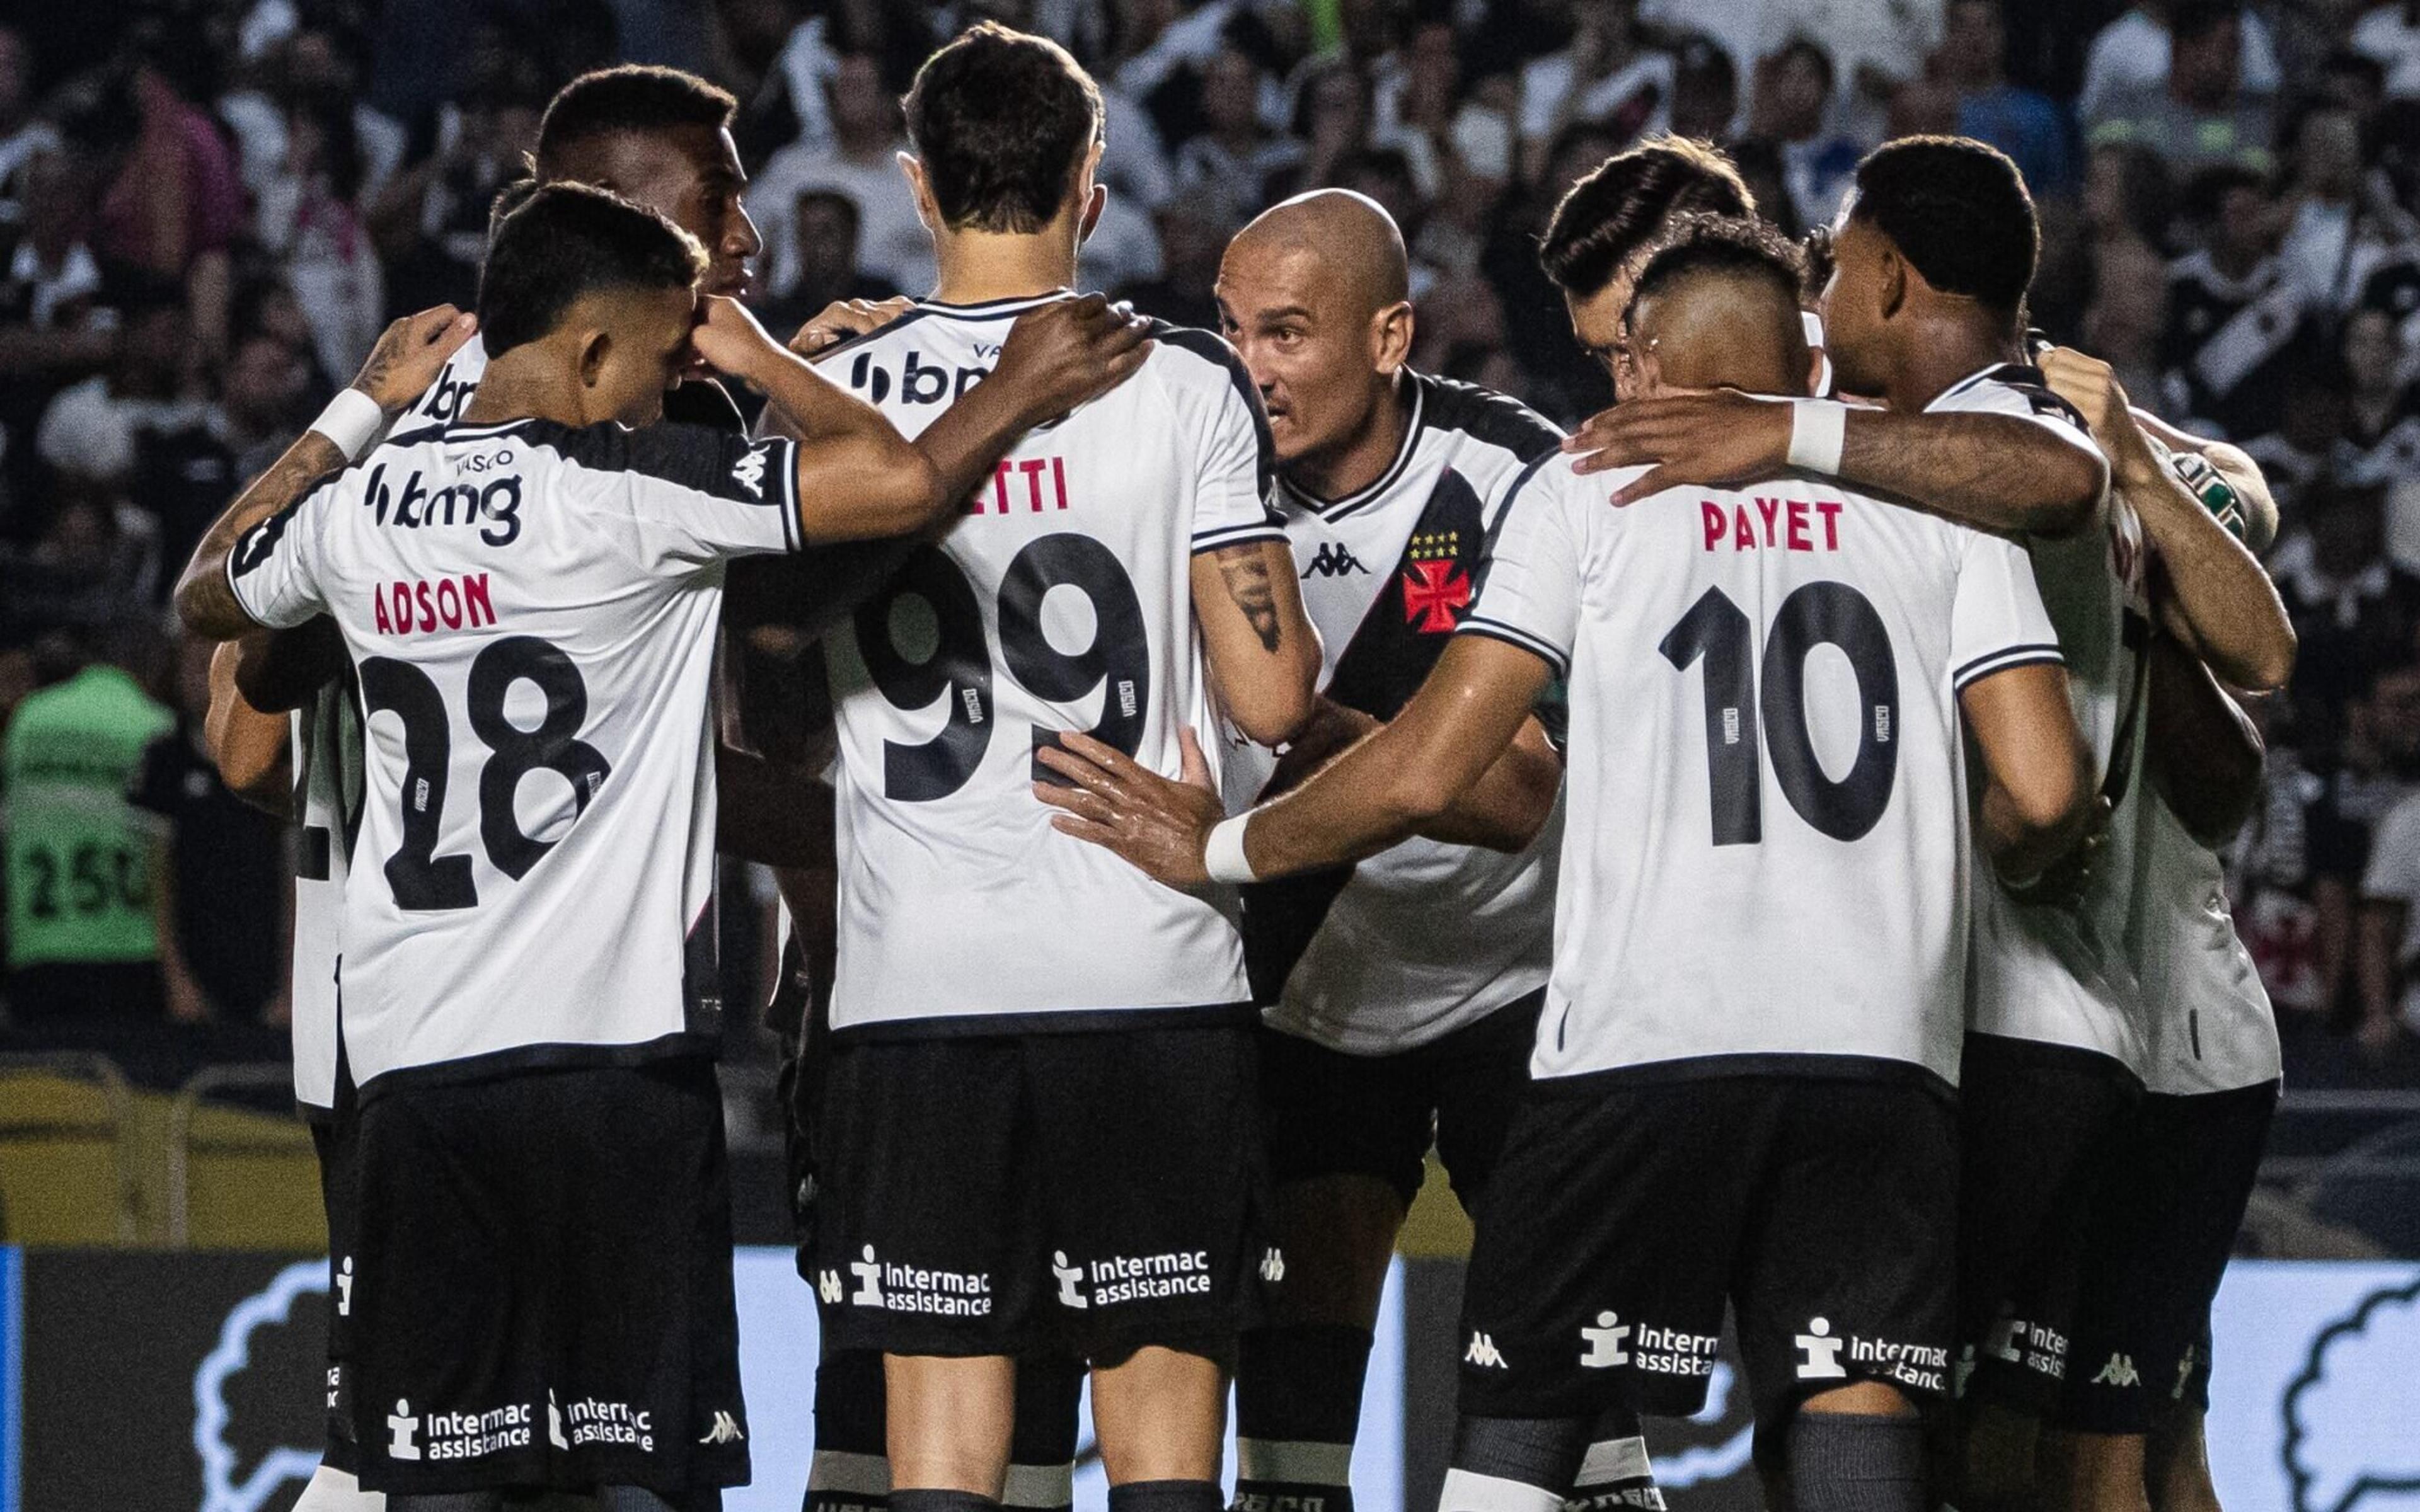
2200, 113
81, 938
2236, 319
21, 133
2134, 52
2390, 34
861, 162
217, 867
2024, 124
1792, 108
2380, 444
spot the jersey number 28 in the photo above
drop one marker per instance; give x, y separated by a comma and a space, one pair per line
1818, 613
958, 671
422, 879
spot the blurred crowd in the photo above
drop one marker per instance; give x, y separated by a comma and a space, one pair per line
208, 209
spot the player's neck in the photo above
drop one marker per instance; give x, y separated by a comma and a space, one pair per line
1349, 468
1940, 350
510, 390
981, 266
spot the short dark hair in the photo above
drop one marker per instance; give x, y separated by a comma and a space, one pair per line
1957, 211
1802, 45
566, 241
1621, 207
1000, 121
1699, 244
2193, 19
634, 97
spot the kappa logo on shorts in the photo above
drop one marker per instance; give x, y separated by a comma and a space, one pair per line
725, 1430
1605, 1342
1272, 1265
827, 1286
1071, 1281
2118, 1370
750, 474
1483, 1353
1820, 1354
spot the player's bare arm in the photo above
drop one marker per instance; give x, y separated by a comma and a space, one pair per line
248, 746
2037, 798
1263, 654
1377, 794
405, 361
1503, 811
2202, 751
1997, 472
845, 319
2221, 603
858, 478
2231, 462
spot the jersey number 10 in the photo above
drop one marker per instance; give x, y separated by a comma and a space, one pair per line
1818, 613
958, 672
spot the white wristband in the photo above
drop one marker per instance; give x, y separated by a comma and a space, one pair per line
1224, 855
1818, 430
353, 421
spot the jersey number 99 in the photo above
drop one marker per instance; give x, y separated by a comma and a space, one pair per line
958, 672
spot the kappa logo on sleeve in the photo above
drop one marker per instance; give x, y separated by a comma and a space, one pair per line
750, 473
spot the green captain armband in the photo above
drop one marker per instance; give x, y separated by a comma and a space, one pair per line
2210, 486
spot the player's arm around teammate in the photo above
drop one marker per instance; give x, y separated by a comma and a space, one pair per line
2222, 606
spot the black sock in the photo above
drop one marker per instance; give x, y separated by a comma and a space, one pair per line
850, 1471
1856, 1462
1297, 1405
1042, 1444
941, 1501
630, 1499
448, 1501
1165, 1496
1514, 1464
1615, 1472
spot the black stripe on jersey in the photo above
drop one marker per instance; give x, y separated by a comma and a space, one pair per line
998, 309
1499, 630
1237, 536
1058, 1021
2028, 382
1487, 416
709, 460
1807, 1066
2002, 659
1211, 348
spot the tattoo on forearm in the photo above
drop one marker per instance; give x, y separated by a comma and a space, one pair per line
312, 458
1245, 572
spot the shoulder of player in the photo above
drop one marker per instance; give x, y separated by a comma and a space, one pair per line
1486, 416
1190, 360
2010, 389
688, 456
1551, 480
874, 338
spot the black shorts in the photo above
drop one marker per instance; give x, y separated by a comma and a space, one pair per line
2162, 1236
542, 1289
1085, 1194
1623, 1215
1330, 1114
2040, 1125
332, 1139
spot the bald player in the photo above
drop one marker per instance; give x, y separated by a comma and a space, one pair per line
1400, 996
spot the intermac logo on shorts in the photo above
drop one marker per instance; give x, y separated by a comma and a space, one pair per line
588, 1421
1662, 1351
907, 1289
2037, 1346
1822, 1357
456, 1435
1105, 1283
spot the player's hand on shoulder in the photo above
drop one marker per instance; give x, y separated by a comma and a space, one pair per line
1069, 351
2091, 385
410, 354
729, 340
1113, 801
1717, 437
845, 319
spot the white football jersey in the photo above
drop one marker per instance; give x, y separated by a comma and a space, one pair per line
443, 402
325, 744
2043, 972
2208, 1026
1424, 939
1062, 601
1765, 863
530, 611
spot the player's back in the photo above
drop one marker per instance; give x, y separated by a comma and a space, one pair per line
530, 611
1060, 602
325, 745
1767, 831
